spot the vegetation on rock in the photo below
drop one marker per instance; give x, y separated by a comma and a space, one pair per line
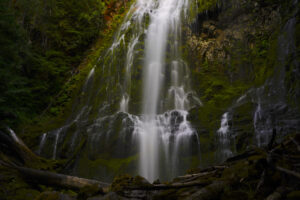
237, 55
42, 44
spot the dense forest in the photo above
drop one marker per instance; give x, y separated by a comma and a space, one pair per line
149, 99
42, 44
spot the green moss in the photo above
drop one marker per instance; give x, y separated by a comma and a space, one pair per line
204, 5
293, 195
120, 182
116, 165
257, 157
167, 194
104, 167
192, 161
141, 181
89, 191
48, 196
61, 105
231, 193
24, 194
208, 158
13, 186
237, 171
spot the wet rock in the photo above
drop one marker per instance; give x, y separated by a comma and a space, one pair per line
138, 194
209, 28
109, 196
279, 109
89, 191
54, 195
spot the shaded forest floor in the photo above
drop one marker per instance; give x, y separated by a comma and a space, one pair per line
259, 173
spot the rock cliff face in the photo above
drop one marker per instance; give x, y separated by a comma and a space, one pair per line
244, 81
243, 59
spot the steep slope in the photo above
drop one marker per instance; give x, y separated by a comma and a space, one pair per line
246, 70
228, 81
243, 73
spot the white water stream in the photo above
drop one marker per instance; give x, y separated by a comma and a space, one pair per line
144, 58
164, 19
163, 127
223, 134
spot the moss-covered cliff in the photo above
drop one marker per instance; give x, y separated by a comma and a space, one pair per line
243, 59
241, 55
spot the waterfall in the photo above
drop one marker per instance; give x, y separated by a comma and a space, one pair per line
223, 136
136, 99
42, 143
162, 129
164, 19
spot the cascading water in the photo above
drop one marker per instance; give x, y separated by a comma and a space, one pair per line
271, 110
223, 135
145, 77
164, 19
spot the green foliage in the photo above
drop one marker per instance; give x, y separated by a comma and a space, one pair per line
42, 43
13, 86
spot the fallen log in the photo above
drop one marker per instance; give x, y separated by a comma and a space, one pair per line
289, 172
195, 175
209, 192
171, 186
296, 143
242, 156
281, 146
204, 172
16, 145
61, 180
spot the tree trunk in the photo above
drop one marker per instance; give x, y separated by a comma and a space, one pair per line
18, 147
55, 179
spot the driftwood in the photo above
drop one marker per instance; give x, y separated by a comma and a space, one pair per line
61, 180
